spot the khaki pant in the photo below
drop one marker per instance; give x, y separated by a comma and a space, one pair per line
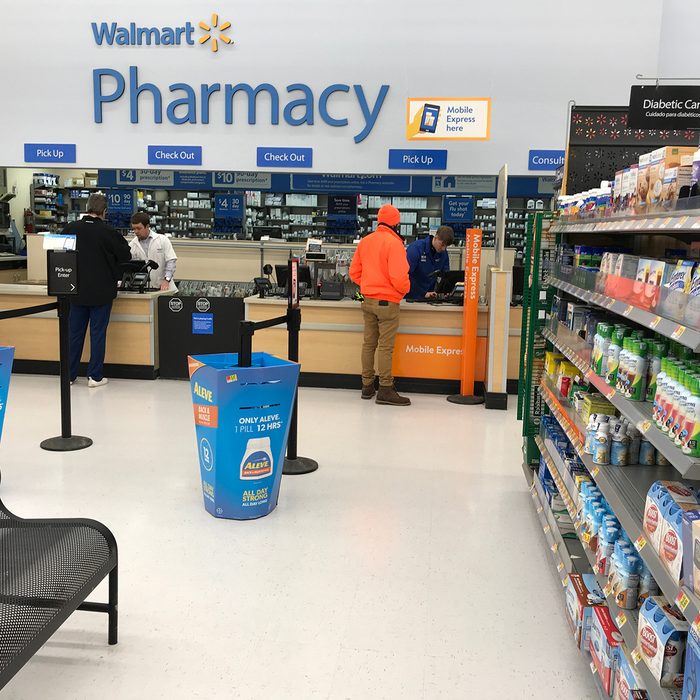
381, 325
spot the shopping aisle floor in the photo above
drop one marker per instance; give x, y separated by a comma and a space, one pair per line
408, 567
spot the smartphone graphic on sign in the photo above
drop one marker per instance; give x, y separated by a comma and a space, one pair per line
429, 120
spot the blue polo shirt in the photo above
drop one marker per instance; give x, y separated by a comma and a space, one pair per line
423, 260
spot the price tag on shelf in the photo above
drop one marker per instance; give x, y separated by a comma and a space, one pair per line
644, 426
655, 322
678, 332
665, 223
560, 566
640, 543
621, 619
682, 601
595, 471
565, 582
636, 656
593, 669
554, 547
607, 590
577, 524
546, 529
586, 537
610, 303
539, 510
628, 310
696, 624
596, 570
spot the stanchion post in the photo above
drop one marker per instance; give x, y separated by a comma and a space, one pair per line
294, 464
66, 442
245, 354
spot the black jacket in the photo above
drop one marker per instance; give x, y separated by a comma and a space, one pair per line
100, 250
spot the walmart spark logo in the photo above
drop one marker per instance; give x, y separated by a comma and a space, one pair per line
210, 35
112, 34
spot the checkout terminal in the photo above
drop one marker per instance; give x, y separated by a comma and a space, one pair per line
449, 288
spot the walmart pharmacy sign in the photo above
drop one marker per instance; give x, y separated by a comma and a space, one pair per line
182, 103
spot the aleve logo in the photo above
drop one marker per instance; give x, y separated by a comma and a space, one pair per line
215, 33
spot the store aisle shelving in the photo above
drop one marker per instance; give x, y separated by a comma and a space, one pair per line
406, 567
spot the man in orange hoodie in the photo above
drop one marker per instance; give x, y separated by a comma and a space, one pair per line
380, 268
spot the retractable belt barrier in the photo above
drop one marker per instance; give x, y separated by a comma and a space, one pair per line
293, 464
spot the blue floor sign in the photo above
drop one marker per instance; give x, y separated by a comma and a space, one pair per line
241, 417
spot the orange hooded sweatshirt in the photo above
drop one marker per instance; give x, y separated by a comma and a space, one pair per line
380, 266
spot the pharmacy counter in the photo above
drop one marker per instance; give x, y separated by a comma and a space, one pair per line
132, 338
428, 349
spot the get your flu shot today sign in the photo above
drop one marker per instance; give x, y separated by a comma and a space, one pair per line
447, 118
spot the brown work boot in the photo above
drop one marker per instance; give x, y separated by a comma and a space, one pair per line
368, 391
388, 396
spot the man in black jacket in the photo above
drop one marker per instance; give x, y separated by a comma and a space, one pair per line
100, 250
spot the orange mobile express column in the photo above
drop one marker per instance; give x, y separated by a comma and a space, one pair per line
472, 266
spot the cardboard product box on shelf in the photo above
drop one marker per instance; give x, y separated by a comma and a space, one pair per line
604, 646
662, 159
692, 665
662, 634
643, 183
691, 550
582, 595
628, 683
659, 499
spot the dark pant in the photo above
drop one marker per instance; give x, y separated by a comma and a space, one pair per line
98, 318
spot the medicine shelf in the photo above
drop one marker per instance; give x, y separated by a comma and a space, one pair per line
681, 221
544, 513
639, 413
626, 620
625, 489
666, 327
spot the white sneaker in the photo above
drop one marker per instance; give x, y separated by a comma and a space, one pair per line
92, 383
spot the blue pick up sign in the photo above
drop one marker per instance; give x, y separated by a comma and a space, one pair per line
174, 155
285, 157
49, 153
417, 159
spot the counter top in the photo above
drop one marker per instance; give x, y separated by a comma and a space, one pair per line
39, 289
349, 303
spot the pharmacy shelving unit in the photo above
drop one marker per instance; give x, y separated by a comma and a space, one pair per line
624, 488
539, 255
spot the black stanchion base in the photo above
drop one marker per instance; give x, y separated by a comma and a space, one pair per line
300, 465
465, 400
68, 444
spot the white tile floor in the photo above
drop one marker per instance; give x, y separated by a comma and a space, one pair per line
409, 566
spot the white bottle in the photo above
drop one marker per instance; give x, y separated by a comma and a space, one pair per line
601, 452
257, 461
660, 392
680, 414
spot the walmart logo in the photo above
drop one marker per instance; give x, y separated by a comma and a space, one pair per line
112, 34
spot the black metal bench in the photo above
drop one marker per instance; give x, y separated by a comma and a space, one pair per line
47, 570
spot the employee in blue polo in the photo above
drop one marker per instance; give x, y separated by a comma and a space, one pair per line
425, 257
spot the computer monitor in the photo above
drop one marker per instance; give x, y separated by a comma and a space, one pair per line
281, 273
448, 281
